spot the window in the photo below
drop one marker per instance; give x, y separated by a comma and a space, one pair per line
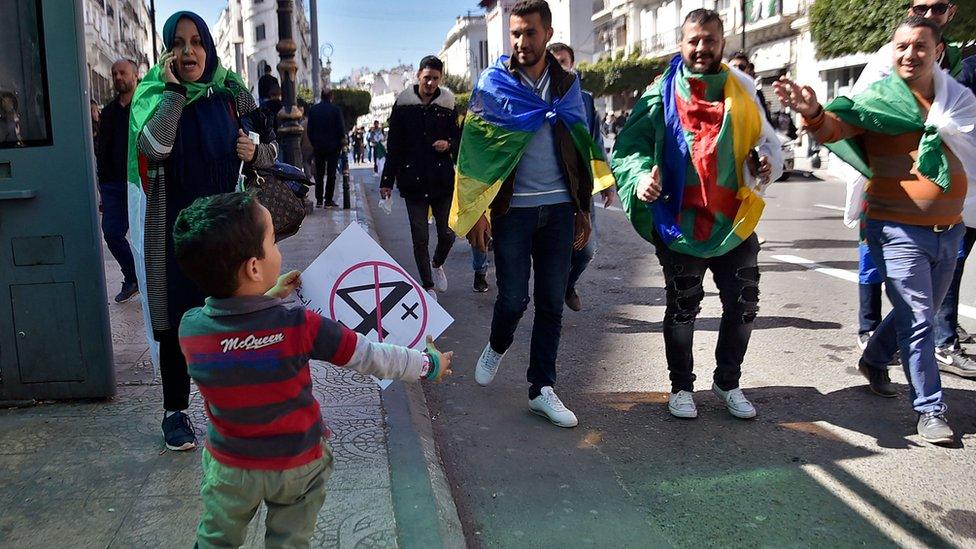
259, 33
110, 11
840, 81
482, 55
24, 110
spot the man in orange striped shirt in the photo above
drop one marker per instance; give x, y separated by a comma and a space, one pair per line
914, 207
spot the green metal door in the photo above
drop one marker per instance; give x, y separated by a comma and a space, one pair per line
55, 340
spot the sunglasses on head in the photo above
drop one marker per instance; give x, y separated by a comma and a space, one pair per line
937, 9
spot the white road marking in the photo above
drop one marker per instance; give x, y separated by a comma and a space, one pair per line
830, 207
967, 311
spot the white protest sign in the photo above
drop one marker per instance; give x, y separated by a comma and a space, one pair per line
356, 283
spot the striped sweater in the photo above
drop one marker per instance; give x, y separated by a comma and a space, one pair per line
156, 143
249, 357
897, 192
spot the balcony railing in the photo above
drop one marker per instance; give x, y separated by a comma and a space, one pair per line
662, 42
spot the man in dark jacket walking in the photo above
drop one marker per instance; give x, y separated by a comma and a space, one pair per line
421, 150
326, 131
112, 156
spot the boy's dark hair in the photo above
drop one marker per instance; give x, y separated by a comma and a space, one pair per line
327, 94
214, 236
267, 69
918, 22
559, 46
431, 62
702, 17
740, 55
528, 7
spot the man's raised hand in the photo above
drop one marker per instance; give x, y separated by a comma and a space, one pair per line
801, 99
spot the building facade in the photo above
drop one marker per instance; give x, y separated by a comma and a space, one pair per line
465, 51
571, 24
246, 35
115, 29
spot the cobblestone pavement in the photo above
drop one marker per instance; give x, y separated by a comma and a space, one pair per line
96, 474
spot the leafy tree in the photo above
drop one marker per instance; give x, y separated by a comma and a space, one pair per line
305, 94
461, 102
456, 83
622, 75
843, 27
353, 103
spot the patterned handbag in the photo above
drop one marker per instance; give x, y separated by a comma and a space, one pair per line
282, 192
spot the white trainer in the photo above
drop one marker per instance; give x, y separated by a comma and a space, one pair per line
440, 278
548, 405
432, 293
487, 366
682, 404
737, 403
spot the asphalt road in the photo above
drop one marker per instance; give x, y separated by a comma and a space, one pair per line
824, 464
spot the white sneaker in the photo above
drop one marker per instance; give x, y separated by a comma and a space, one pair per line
440, 278
432, 293
682, 404
737, 403
548, 405
487, 366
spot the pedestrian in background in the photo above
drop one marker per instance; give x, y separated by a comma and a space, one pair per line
421, 151
266, 83
111, 156
377, 146
566, 57
327, 132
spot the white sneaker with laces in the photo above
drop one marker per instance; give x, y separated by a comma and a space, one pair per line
737, 403
548, 405
487, 366
440, 278
432, 293
682, 404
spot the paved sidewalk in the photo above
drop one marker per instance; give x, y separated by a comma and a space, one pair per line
96, 474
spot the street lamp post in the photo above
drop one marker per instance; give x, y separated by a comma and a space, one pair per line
290, 128
316, 60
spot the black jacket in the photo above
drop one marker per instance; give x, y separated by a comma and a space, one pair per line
112, 148
575, 170
411, 161
326, 128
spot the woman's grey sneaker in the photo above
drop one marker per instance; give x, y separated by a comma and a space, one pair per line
682, 404
736, 402
548, 405
487, 366
440, 278
432, 293
178, 432
129, 289
480, 283
934, 429
954, 361
878, 380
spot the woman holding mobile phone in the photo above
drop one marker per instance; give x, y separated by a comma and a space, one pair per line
185, 142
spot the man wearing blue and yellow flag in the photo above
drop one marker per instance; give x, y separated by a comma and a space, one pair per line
527, 168
687, 175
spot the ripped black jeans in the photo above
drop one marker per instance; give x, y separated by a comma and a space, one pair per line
737, 276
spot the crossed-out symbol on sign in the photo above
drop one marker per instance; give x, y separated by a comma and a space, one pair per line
403, 292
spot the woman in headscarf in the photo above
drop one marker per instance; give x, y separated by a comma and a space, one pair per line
185, 142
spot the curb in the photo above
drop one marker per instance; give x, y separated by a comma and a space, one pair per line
417, 477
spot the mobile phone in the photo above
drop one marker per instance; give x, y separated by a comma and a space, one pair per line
754, 161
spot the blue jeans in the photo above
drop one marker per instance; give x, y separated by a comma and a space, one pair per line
917, 264
115, 225
539, 238
479, 261
581, 258
947, 319
869, 292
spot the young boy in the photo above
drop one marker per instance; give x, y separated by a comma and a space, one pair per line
248, 353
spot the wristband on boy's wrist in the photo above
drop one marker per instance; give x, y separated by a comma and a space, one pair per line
435, 365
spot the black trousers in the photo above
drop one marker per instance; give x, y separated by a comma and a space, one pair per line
736, 273
420, 234
326, 164
172, 369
